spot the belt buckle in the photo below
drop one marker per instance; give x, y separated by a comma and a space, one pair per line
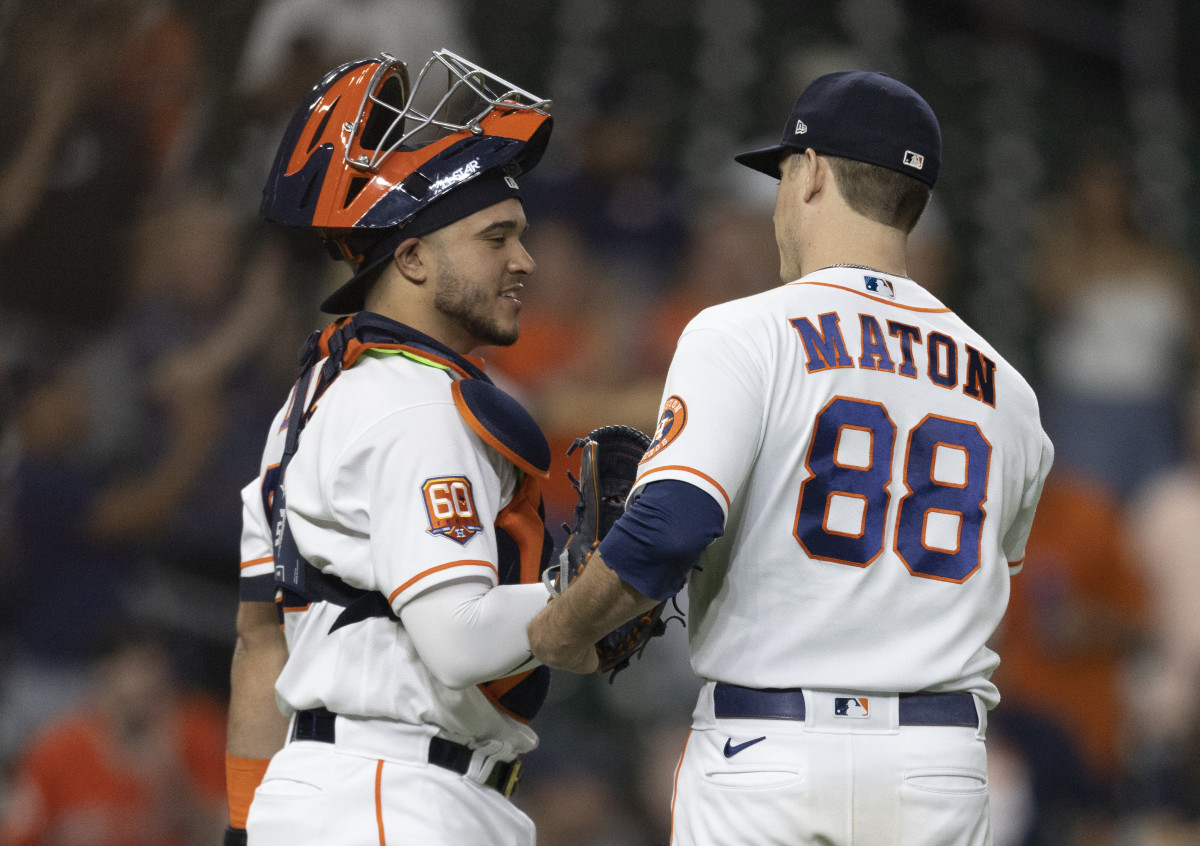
510, 783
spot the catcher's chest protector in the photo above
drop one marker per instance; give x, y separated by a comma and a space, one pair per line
524, 546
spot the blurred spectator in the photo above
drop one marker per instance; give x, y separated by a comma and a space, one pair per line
72, 568
72, 169
161, 76
1121, 322
200, 330
292, 42
1010, 791
730, 253
1166, 693
933, 259
140, 764
598, 812
126, 477
1074, 617
329, 32
620, 194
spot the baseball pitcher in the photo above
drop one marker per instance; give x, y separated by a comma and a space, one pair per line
847, 473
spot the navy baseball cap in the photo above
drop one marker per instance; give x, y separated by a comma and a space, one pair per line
860, 115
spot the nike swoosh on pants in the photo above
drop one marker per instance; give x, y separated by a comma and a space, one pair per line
731, 750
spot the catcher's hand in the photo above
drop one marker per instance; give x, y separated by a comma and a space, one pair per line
607, 469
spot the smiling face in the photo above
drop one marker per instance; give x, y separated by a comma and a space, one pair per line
478, 267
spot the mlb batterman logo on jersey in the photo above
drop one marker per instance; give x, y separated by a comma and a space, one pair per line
451, 508
853, 707
879, 285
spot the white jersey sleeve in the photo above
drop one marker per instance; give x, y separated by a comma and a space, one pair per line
427, 503
723, 426
1018, 533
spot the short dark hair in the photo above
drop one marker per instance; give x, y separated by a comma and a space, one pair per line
885, 196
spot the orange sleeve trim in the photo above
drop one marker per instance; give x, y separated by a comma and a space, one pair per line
941, 310
691, 470
254, 561
469, 563
488, 438
242, 778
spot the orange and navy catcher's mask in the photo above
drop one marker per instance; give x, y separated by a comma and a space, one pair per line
368, 151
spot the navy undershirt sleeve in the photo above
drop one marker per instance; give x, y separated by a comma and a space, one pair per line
654, 544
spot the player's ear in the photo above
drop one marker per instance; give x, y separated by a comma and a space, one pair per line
816, 174
411, 259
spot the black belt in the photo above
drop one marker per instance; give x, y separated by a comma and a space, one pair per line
318, 724
916, 709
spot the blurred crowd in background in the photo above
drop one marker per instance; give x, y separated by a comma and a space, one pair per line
151, 325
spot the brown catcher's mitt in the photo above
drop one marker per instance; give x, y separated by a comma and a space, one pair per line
607, 469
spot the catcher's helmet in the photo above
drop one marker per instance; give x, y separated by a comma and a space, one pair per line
367, 151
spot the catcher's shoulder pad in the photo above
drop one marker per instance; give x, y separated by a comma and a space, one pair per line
503, 424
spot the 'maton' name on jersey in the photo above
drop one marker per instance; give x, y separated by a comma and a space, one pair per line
946, 362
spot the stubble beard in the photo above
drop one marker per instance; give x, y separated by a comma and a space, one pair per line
472, 309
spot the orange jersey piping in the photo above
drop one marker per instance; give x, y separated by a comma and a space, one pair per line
941, 310
379, 801
468, 563
675, 784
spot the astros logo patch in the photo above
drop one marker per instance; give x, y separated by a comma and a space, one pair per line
670, 424
855, 707
451, 508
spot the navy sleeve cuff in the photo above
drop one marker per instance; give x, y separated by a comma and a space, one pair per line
655, 544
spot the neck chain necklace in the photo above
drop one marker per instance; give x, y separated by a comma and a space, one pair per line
865, 267
861, 267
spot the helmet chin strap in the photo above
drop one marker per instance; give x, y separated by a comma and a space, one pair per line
339, 250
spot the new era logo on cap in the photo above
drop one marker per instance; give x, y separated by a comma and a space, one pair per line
914, 159
801, 127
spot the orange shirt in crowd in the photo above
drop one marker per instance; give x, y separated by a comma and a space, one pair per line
1075, 609
77, 784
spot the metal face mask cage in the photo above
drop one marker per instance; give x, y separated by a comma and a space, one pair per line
472, 92
366, 151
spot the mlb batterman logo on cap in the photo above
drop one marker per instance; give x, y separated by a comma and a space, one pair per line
864, 116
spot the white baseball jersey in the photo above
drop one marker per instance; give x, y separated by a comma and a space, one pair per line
391, 491
878, 464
